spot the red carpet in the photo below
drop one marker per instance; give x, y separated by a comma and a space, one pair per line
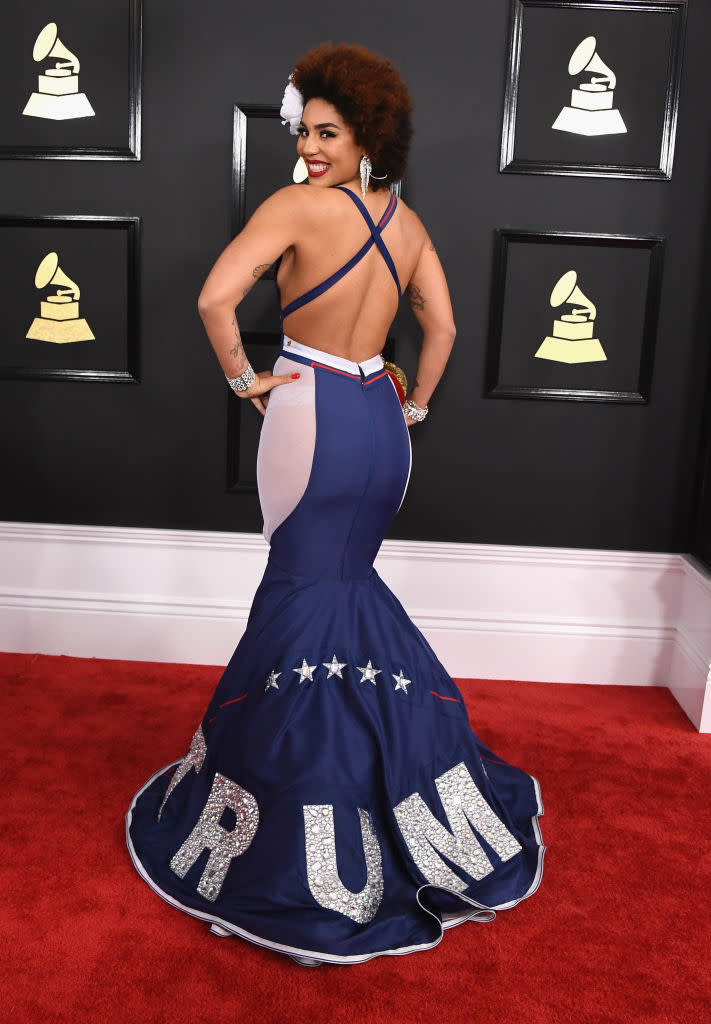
619, 930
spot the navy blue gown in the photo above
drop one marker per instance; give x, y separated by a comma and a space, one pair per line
334, 803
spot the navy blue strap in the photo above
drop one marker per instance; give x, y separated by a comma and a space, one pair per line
374, 239
376, 232
328, 283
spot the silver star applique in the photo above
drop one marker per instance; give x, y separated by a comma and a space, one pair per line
305, 672
400, 682
334, 668
272, 680
369, 673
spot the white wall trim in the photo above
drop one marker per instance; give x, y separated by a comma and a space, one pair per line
490, 611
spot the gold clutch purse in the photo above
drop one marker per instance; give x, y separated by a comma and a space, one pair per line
398, 378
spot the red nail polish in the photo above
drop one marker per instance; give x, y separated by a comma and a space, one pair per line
295, 376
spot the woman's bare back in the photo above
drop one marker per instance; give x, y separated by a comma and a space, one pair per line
353, 317
318, 231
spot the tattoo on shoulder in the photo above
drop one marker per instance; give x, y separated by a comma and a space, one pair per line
256, 274
417, 299
432, 246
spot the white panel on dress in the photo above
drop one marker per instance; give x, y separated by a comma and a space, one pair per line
286, 445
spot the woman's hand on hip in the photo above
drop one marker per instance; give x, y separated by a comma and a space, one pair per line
264, 381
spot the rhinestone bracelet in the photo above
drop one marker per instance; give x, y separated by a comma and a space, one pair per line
413, 410
244, 381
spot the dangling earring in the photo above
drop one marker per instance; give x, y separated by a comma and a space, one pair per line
366, 169
366, 173
301, 171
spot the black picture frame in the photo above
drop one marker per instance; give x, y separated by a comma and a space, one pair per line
625, 268
114, 252
242, 114
112, 68
275, 156
536, 78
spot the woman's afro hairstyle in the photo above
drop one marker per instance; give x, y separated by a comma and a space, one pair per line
371, 96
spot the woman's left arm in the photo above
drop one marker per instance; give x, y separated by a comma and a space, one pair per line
271, 229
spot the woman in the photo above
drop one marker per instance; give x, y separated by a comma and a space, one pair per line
334, 803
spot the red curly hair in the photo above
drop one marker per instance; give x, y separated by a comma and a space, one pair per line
369, 93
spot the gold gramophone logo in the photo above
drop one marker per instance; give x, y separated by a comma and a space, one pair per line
59, 319
57, 96
591, 110
572, 339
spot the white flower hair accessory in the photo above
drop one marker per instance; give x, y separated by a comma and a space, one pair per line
292, 107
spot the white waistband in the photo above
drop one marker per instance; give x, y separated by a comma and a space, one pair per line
337, 362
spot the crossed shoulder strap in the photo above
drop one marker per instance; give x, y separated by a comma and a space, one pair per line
375, 239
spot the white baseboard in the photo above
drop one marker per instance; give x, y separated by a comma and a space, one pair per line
490, 611
691, 665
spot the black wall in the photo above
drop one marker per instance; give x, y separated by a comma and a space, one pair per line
496, 471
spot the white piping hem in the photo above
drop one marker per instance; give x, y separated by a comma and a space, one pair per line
409, 441
478, 913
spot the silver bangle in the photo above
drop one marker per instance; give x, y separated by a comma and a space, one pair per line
414, 411
244, 381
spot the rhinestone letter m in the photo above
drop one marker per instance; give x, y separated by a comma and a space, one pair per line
464, 806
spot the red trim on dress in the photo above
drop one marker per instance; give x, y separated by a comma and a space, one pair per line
234, 701
455, 699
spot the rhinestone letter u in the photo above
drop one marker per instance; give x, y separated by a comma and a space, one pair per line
322, 870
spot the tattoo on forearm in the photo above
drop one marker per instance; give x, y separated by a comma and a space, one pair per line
416, 384
417, 299
237, 350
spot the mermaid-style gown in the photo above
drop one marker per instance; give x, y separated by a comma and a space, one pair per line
334, 804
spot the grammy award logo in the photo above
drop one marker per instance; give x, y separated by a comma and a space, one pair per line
59, 319
572, 339
591, 109
57, 96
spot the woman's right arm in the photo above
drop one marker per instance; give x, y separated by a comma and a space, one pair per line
429, 297
273, 227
